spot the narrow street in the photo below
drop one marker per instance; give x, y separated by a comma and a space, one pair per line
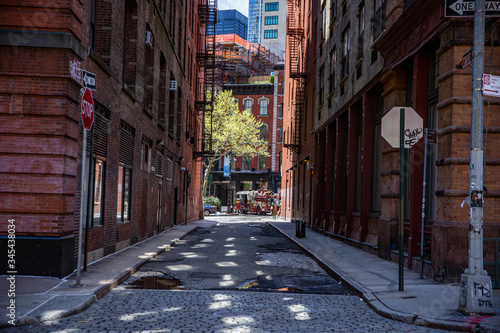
239, 276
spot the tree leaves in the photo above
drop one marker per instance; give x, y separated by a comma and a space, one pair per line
234, 132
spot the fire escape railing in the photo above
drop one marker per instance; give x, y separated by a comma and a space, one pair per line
295, 33
205, 85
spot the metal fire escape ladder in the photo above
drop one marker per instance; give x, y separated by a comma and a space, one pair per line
204, 103
295, 33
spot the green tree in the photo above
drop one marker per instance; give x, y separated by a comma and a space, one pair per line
234, 133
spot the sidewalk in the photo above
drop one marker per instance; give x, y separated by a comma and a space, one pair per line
43, 298
423, 302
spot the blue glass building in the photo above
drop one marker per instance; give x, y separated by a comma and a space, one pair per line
255, 21
230, 21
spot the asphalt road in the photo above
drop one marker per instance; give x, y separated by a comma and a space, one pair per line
245, 256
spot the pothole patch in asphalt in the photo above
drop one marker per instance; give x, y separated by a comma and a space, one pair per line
152, 280
155, 282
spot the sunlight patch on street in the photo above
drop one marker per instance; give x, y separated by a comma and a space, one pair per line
239, 329
220, 305
133, 316
263, 262
300, 311
227, 280
172, 309
221, 297
180, 267
208, 240
147, 255
238, 320
227, 264
190, 255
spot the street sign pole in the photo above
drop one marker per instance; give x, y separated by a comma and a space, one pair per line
476, 295
402, 128
82, 210
87, 113
423, 207
402, 175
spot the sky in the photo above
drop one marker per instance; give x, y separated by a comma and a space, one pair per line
239, 5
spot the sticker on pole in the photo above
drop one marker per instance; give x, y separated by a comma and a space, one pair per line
491, 85
413, 129
87, 109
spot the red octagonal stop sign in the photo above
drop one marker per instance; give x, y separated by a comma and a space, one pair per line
87, 109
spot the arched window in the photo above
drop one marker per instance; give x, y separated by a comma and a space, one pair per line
247, 104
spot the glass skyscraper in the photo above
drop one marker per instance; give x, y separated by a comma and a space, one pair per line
230, 21
254, 21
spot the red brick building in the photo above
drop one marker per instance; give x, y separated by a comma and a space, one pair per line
265, 101
145, 133
340, 175
299, 104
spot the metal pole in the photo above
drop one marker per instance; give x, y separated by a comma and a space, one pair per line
476, 143
401, 196
423, 207
187, 193
476, 295
90, 199
310, 197
82, 210
286, 193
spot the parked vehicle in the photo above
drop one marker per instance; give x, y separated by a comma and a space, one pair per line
258, 201
207, 209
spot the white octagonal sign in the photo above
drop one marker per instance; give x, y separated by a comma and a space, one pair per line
413, 130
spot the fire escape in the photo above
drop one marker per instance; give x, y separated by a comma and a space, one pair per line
295, 33
205, 86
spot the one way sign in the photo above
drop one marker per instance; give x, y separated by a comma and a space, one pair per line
465, 8
88, 80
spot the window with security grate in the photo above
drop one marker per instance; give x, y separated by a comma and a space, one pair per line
170, 169
159, 163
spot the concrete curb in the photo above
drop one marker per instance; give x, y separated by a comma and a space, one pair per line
97, 293
30, 320
376, 304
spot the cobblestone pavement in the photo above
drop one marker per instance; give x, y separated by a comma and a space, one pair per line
219, 260
227, 311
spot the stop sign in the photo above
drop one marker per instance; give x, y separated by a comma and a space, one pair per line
412, 127
87, 109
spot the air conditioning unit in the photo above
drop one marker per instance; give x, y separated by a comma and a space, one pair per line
173, 85
149, 38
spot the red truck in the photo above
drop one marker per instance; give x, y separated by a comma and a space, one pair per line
258, 201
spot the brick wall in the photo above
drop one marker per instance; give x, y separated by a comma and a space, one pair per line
41, 132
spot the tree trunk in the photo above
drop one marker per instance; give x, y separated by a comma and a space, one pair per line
205, 180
